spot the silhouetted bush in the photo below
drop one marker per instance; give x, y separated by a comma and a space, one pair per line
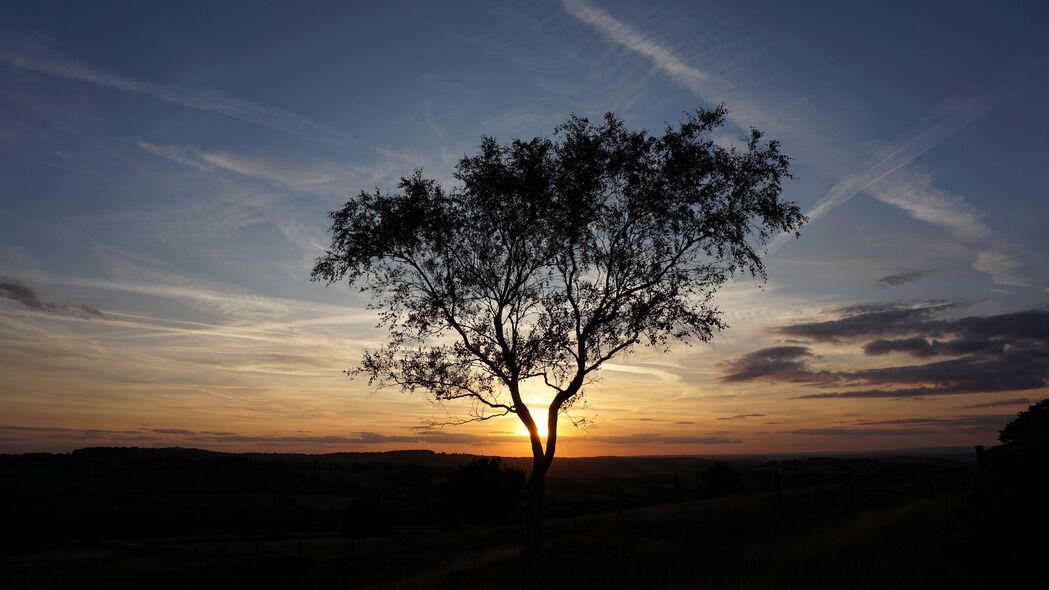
1029, 425
482, 492
720, 479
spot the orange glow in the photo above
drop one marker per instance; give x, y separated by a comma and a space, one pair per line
524, 431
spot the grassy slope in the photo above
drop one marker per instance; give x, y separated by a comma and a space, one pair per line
815, 539
747, 542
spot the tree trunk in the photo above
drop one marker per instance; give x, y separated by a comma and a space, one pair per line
534, 513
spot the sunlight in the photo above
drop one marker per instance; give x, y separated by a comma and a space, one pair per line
524, 431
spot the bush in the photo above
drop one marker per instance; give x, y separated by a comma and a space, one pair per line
720, 479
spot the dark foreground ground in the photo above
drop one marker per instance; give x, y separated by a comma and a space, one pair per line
178, 518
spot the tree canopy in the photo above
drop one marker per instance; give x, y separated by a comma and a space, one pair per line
1029, 425
552, 255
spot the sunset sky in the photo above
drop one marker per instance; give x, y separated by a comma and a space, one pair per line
167, 170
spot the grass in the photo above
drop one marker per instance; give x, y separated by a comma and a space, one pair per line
733, 543
814, 540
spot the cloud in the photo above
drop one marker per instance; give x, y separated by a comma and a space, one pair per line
1004, 269
1016, 401
922, 347
742, 416
31, 54
187, 436
913, 192
859, 321
15, 290
626, 36
94, 436
656, 438
854, 432
289, 176
701, 83
898, 279
777, 363
968, 424
888, 175
318, 176
1004, 352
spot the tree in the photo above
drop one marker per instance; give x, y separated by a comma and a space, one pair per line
480, 481
551, 256
720, 479
1030, 425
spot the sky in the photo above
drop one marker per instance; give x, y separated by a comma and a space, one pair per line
167, 170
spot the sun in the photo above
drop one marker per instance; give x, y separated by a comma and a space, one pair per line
524, 431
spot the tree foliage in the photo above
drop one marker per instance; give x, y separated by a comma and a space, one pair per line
1029, 425
482, 491
553, 255
720, 479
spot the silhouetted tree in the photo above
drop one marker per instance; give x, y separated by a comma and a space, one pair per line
551, 256
470, 493
1029, 425
720, 479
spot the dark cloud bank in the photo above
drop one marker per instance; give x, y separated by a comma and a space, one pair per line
899, 279
971, 354
162, 436
19, 292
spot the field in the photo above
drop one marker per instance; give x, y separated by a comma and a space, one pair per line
119, 519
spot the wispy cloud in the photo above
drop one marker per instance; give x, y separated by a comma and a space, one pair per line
913, 192
704, 85
1003, 268
1001, 403
34, 55
300, 177
318, 176
887, 176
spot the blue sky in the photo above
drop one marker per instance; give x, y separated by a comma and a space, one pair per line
167, 171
